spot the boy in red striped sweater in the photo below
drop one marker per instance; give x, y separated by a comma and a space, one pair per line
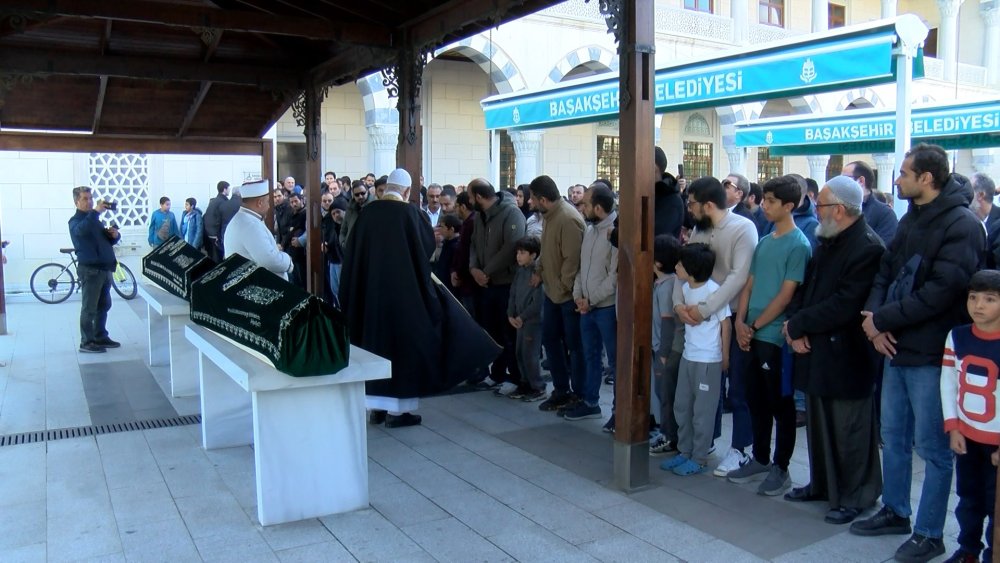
969, 403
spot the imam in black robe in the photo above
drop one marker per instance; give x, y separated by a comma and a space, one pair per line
395, 310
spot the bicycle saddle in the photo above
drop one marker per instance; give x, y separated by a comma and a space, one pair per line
67, 250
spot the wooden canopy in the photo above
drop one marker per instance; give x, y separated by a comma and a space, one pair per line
174, 69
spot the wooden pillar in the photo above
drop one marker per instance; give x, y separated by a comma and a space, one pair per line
408, 74
267, 160
313, 188
635, 242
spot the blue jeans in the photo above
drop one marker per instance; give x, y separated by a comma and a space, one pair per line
911, 416
598, 330
95, 287
561, 332
742, 433
333, 281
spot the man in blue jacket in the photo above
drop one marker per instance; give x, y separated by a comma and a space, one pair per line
96, 260
880, 217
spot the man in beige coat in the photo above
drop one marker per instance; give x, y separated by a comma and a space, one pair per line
557, 269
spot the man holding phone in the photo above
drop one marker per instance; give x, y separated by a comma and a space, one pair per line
96, 260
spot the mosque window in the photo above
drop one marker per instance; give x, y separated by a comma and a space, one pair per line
697, 125
833, 167
699, 5
508, 161
835, 16
608, 164
697, 160
771, 12
124, 179
768, 166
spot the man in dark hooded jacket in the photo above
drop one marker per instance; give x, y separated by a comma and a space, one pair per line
668, 208
492, 263
915, 300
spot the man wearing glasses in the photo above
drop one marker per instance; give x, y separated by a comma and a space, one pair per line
880, 217
737, 189
360, 196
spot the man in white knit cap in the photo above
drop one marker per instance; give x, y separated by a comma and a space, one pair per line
248, 236
834, 364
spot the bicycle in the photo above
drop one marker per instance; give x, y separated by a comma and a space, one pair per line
54, 283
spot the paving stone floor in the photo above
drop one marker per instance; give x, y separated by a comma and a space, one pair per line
483, 479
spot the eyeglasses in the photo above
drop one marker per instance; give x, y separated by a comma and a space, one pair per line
827, 204
360, 194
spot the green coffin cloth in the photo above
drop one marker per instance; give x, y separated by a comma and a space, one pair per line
174, 265
297, 331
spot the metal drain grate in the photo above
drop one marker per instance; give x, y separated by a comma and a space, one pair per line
80, 431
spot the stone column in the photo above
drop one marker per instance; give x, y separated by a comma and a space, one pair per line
817, 167
738, 161
527, 147
985, 161
883, 179
741, 21
948, 37
990, 12
820, 17
888, 9
382, 139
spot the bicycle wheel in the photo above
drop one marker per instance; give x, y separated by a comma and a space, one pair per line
52, 283
124, 282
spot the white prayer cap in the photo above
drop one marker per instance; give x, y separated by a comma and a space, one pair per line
847, 190
255, 188
400, 177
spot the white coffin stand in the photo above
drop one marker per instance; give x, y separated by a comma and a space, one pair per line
167, 316
309, 433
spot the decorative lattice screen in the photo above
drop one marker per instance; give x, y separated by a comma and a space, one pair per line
123, 178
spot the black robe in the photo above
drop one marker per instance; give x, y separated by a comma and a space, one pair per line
395, 310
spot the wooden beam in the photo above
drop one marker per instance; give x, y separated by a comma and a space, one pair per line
350, 64
10, 25
450, 20
99, 106
177, 15
38, 61
10, 141
195, 106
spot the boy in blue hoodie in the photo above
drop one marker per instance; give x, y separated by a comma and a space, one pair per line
162, 224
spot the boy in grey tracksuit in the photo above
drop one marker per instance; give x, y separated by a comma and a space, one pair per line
524, 312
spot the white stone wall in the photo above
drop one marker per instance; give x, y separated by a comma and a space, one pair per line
456, 143
36, 201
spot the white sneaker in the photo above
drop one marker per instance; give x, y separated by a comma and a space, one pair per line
733, 461
506, 388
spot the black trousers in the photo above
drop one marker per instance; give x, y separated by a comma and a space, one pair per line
769, 396
975, 484
491, 312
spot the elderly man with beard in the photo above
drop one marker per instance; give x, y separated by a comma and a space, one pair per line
834, 365
395, 310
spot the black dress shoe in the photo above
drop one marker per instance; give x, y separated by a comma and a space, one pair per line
842, 515
802, 494
400, 420
884, 522
376, 416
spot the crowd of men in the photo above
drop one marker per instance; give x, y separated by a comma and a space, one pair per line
788, 304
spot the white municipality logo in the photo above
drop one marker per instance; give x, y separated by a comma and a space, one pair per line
769, 138
517, 116
808, 71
